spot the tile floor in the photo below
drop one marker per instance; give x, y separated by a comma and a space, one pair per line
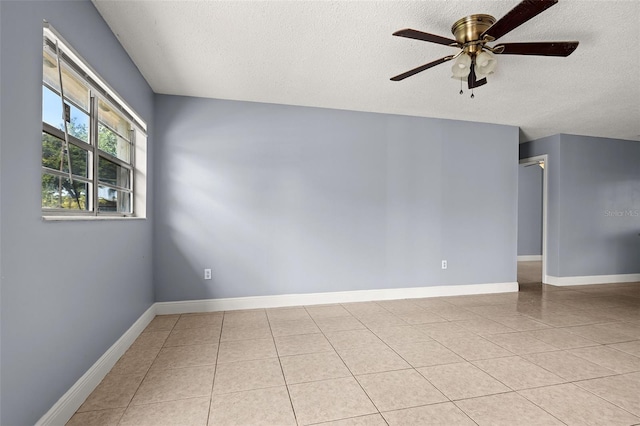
543, 356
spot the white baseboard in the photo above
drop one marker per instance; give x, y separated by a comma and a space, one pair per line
257, 302
593, 279
67, 405
530, 258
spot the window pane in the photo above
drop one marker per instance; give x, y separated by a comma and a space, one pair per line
113, 144
59, 193
52, 114
112, 200
112, 174
74, 88
54, 158
111, 118
51, 108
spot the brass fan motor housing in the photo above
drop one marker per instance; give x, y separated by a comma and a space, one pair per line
469, 29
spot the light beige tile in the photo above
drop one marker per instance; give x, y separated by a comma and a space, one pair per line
162, 322
505, 409
369, 420
381, 320
359, 309
599, 333
248, 375
192, 411
230, 333
625, 328
632, 348
435, 415
453, 313
313, 367
568, 366
520, 323
401, 334
371, 359
567, 320
444, 330
198, 321
393, 390
330, 324
462, 380
427, 353
493, 311
302, 344
352, 339
431, 303
150, 340
520, 343
576, 406
185, 356
246, 350
174, 384
518, 373
618, 361
135, 362
420, 317
115, 391
256, 318
400, 306
292, 327
484, 326
97, 418
327, 311
288, 314
265, 407
474, 348
560, 338
623, 391
328, 400
193, 336
472, 300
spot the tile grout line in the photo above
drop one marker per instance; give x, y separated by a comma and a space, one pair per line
284, 378
215, 369
602, 398
148, 369
345, 364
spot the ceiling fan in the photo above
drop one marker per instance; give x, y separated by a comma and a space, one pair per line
476, 59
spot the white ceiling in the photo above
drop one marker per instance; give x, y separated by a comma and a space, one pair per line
341, 54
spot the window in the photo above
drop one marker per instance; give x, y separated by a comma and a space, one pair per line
90, 140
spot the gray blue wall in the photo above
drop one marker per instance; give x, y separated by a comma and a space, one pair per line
69, 289
594, 204
282, 199
529, 210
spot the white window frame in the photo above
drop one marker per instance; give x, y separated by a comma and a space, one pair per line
99, 89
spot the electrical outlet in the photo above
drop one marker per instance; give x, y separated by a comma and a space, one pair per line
444, 264
207, 274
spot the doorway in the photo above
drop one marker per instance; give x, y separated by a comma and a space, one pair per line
532, 220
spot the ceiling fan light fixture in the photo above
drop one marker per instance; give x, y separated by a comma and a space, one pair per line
485, 63
462, 67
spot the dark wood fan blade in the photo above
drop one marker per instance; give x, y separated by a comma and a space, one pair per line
472, 81
421, 68
419, 35
517, 16
550, 48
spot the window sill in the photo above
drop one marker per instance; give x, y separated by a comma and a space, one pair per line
88, 218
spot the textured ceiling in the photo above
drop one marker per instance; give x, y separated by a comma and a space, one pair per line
341, 54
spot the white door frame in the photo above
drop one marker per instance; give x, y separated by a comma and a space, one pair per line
545, 192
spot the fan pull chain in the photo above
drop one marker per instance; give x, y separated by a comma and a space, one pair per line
461, 92
472, 95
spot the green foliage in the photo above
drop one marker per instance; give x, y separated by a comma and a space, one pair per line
59, 192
